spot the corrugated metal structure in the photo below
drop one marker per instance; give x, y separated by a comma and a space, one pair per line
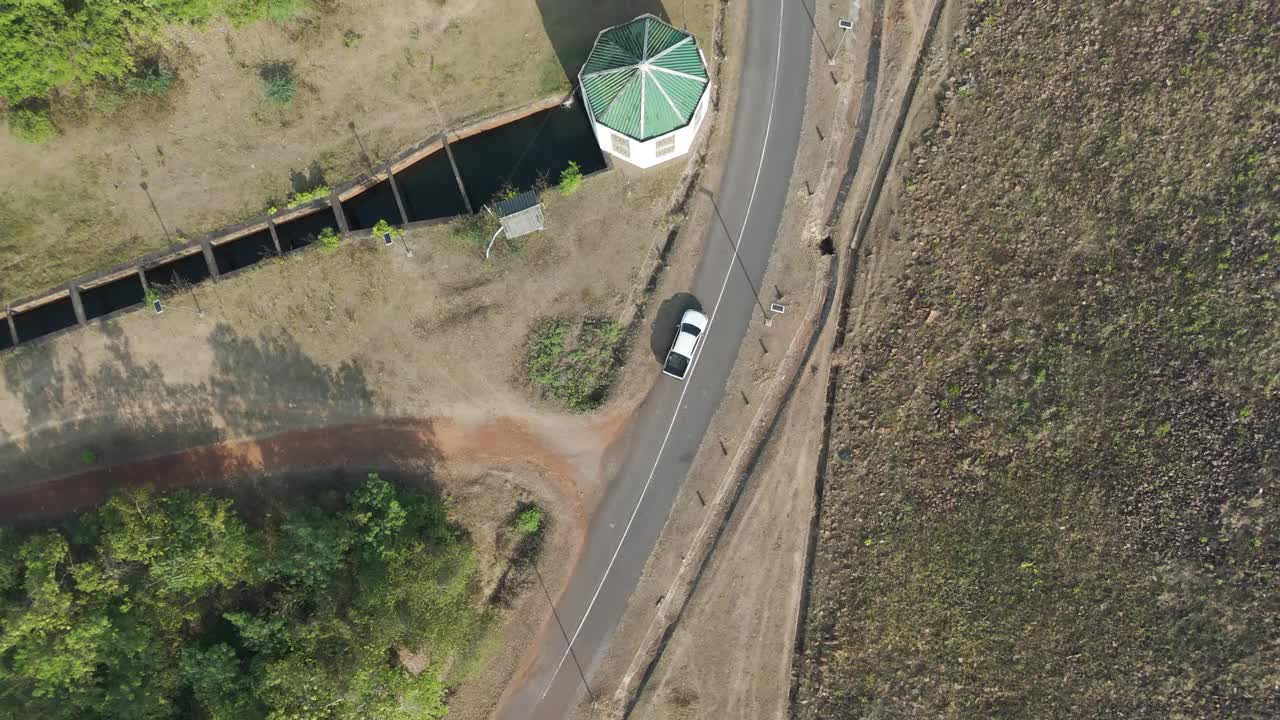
645, 86
520, 215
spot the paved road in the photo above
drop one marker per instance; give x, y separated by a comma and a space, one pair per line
667, 429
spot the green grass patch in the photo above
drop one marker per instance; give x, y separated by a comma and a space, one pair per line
306, 196
528, 521
154, 81
474, 230
551, 76
570, 179
278, 83
574, 363
382, 227
71, 46
328, 240
31, 126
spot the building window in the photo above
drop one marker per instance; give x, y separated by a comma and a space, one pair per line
666, 146
621, 146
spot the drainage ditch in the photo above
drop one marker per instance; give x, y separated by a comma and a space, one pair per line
244, 252
112, 297
45, 319
303, 231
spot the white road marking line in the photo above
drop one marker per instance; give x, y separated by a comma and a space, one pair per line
764, 146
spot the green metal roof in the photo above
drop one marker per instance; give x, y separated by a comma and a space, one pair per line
643, 78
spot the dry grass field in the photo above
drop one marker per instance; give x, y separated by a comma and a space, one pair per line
1053, 465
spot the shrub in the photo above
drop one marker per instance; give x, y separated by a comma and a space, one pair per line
528, 521
474, 229
574, 365
570, 179
31, 126
153, 81
279, 84
383, 227
88, 456
306, 196
328, 240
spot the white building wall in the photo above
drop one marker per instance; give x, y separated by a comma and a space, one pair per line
645, 154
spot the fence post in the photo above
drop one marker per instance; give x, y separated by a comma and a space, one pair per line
462, 188
13, 329
207, 248
275, 239
395, 190
338, 214
76, 304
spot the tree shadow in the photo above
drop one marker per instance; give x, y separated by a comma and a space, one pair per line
126, 410
665, 322
309, 179
572, 25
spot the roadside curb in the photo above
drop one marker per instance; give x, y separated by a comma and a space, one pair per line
721, 507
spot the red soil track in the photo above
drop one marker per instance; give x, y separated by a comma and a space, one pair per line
405, 443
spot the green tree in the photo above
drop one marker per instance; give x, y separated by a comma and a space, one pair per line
217, 683
190, 543
53, 647
261, 634
377, 515
311, 548
9, 570
118, 617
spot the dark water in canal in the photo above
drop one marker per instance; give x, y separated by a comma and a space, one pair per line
110, 297
45, 319
518, 153
189, 269
429, 190
243, 252
366, 209
303, 231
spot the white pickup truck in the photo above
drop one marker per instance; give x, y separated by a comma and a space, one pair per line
688, 339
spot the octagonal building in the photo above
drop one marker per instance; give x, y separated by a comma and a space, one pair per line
645, 88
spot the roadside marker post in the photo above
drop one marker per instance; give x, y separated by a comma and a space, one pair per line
846, 26
160, 307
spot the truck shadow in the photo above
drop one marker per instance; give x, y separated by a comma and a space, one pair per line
664, 324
